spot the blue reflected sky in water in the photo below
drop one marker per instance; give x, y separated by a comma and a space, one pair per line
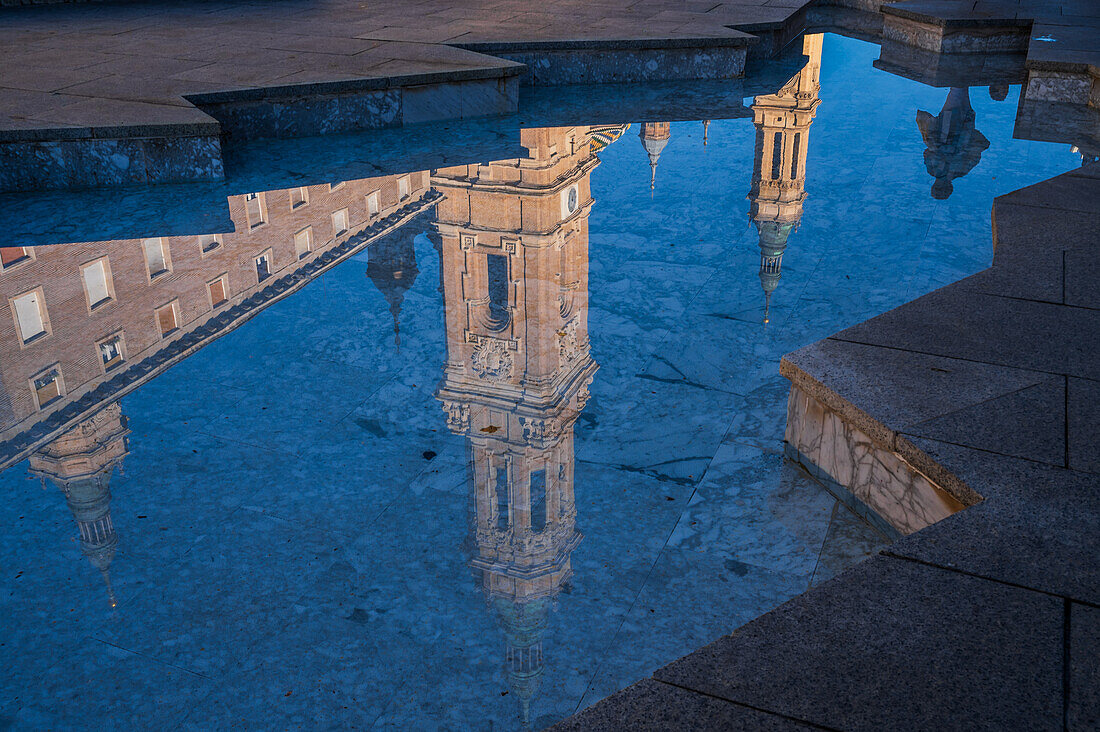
296, 518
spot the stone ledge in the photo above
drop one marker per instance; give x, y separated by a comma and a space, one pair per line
732, 38
893, 644
652, 705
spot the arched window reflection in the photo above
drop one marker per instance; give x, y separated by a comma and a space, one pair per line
497, 272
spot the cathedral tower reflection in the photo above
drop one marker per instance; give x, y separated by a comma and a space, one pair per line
782, 123
391, 266
514, 239
654, 137
80, 463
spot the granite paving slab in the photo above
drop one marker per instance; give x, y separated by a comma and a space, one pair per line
1083, 425
1039, 526
898, 388
652, 705
1029, 423
990, 329
1039, 263
1078, 191
1083, 711
134, 49
896, 645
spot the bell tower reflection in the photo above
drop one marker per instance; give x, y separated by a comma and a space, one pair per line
782, 123
391, 266
80, 463
514, 240
654, 137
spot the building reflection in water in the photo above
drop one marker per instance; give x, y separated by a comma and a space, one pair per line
953, 144
654, 137
778, 189
80, 463
514, 239
91, 321
391, 266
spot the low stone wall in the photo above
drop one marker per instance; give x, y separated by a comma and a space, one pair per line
594, 65
90, 160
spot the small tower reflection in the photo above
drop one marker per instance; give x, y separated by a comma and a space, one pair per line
391, 266
514, 240
782, 123
654, 137
953, 144
80, 463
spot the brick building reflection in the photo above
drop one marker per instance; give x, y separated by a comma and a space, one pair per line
89, 322
778, 190
514, 241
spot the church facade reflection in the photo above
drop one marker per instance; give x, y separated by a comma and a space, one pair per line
778, 189
514, 243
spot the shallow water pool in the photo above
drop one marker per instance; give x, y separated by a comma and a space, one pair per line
471, 446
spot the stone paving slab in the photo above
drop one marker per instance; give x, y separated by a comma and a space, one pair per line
161, 52
997, 330
1049, 264
1084, 674
1039, 526
652, 705
898, 387
1029, 423
1083, 424
895, 645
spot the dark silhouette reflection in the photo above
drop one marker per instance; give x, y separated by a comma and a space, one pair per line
80, 463
1088, 154
391, 266
954, 145
782, 123
517, 371
654, 137
998, 92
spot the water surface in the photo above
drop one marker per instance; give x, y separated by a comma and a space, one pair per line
501, 447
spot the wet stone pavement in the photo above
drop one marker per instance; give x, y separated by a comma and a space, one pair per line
511, 445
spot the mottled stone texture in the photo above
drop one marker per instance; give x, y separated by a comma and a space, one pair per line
459, 100
297, 116
894, 645
947, 39
1054, 86
31, 165
596, 66
879, 477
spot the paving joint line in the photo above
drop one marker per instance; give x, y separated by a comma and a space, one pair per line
815, 725
1006, 583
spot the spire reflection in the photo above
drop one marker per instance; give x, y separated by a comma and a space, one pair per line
514, 239
782, 123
